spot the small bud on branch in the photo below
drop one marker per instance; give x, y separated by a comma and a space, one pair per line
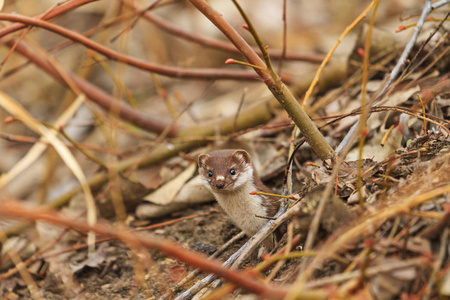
238, 62
9, 120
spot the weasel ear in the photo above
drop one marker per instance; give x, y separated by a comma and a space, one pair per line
242, 155
202, 158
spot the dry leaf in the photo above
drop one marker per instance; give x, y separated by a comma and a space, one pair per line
149, 211
166, 193
94, 260
194, 192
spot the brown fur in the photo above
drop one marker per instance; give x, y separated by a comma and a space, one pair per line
232, 190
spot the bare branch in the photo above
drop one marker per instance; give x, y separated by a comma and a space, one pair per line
14, 210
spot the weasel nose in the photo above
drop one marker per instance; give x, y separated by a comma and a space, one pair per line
220, 185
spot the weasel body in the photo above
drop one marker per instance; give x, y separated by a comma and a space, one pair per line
231, 176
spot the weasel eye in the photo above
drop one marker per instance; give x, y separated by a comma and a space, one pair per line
210, 174
232, 172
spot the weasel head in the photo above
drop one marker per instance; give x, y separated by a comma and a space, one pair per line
225, 171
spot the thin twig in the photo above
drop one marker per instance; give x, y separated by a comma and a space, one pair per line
432, 282
15, 210
219, 251
284, 49
330, 53
138, 63
239, 256
392, 76
278, 89
373, 221
372, 271
364, 110
217, 44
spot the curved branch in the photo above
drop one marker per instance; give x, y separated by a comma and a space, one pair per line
217, 44
133, 240
59, 10
254, 116
166, 26
139, 63
280, 91
125, 112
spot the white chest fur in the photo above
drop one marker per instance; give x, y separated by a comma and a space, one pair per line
243, 208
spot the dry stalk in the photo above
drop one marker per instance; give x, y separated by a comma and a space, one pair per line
404, 205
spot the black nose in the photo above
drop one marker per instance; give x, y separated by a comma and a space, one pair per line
220, 185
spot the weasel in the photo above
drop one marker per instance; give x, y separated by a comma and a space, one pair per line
230, 175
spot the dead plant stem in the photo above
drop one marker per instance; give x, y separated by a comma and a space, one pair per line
364, 109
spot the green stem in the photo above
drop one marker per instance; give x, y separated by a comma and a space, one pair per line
309, 130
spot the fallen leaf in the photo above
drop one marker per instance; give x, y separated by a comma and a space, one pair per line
166, 193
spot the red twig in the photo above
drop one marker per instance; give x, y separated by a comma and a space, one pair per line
39, 256
59, 10
138, 63
217, 44
217, 19
14, 210
265, 71
127, 113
